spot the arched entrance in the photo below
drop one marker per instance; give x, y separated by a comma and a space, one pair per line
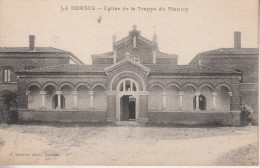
202, 102
127, 108
127, 101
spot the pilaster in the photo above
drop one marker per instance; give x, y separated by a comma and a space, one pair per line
111, 106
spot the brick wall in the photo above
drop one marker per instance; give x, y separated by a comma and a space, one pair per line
251, 98
62, 116
127, 67
111, 107
195, 118
96, 60
248, 64
235, 98
20, 64
13, 87
167, 61
144, 51
22, 97
143, 111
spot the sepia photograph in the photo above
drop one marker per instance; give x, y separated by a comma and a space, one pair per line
129, 83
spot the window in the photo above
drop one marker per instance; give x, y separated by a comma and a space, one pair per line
55, 101
135, 59
30, 67
128, 85
202, 102
240, 71
7, 74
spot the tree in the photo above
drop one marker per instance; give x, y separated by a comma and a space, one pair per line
8, 107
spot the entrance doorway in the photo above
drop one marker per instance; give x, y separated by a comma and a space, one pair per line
127, 108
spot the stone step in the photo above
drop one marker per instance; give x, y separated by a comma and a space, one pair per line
127, 123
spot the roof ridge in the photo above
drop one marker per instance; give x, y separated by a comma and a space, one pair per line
26, 50
57, 49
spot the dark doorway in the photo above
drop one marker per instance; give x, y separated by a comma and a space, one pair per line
127, 108
55, 101
202, 102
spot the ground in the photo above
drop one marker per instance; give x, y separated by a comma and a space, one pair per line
127, 145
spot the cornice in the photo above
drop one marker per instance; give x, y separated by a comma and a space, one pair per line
62, 77
193, 77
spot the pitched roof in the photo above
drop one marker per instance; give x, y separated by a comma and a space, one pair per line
26, 50
122, 62
103, 55
231, 51
48, 52
154, 69
165, 55
67, 68
185, 69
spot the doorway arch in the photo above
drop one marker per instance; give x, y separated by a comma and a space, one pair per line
127, 100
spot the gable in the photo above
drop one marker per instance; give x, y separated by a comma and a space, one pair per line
144, 51
136, 45
127, 65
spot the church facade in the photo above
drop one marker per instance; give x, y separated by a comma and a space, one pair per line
138, 82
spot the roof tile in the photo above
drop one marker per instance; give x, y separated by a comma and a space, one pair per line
154, 69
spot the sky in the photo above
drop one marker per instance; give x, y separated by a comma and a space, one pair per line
207, 25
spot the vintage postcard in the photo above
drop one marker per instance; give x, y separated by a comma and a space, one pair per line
129, 83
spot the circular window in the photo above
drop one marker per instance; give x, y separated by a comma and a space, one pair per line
135, 59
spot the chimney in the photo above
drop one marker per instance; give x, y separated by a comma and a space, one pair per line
114, 49
237, 39
31, 42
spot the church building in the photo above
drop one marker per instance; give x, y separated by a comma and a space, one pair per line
138, 82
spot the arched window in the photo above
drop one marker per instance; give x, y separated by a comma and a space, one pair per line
30, 67
239, 70
55, 101
202, 102
7, 74
135, 59
128, 85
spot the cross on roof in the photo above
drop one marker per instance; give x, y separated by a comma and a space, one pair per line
134, 26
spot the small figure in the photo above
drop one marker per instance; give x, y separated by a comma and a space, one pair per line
134, 41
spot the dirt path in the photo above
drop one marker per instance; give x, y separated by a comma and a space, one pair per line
118, 146
243, 156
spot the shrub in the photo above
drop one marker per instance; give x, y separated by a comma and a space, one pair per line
8, 107
246, 115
